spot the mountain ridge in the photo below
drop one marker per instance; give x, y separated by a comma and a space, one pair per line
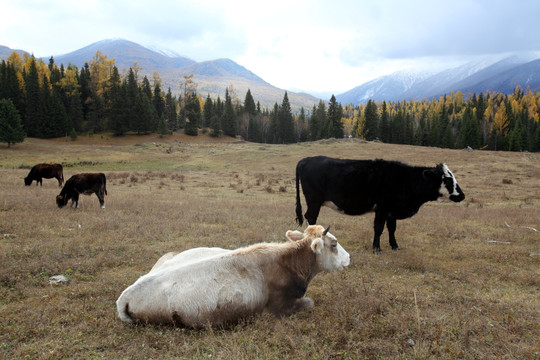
212, 77
499, 74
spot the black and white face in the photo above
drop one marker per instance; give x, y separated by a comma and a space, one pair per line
449, 185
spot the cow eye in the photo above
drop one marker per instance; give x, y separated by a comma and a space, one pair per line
333, 245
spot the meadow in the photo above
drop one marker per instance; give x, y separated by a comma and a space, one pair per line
466, 284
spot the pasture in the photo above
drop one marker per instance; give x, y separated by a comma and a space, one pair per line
466, 284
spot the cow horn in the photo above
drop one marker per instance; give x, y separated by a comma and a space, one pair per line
326, 230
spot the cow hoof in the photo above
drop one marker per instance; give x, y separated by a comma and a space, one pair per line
377, 251
396, 248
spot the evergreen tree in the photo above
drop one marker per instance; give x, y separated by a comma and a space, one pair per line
228, 121
314, 124
249, 104
157, 100
302, 131
118, 120
170, 111
384, 126
469, 134
11, 127
371, 125
34, 113
215, 124
286, 122
335, 113
207, 111
274, 125
192, 115
132, 100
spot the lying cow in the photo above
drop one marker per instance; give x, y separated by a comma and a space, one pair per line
87, 184
391, 189
47, 171
216, 287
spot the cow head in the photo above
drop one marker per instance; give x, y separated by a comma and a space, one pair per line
330, 254
449, 186
27, 181
61, 200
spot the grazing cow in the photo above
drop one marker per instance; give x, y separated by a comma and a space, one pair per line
391, 189
218, 287
47, 171
86, 184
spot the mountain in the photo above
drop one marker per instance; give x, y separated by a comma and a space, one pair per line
500, 74
387, 88
211, 77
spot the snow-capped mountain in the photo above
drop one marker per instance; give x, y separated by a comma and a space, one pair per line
495, 73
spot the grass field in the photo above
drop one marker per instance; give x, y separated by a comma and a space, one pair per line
466, 284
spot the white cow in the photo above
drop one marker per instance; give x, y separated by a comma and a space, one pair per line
213, 286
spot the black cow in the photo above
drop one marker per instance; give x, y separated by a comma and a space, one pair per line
391, 189
86, 184
47, 171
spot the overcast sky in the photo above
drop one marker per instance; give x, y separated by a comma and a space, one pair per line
316, 46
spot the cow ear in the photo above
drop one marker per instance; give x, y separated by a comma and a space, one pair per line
317, 245
294, 235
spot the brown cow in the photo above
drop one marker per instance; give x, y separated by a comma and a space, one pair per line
87, 184
47, 171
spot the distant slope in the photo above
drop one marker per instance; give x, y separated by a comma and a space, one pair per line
212, 77
487, 74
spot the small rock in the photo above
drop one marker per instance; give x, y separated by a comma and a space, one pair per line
58, 280
410, 342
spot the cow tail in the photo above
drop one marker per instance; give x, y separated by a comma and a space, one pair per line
299, 217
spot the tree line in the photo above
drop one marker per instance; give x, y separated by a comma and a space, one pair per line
49, 100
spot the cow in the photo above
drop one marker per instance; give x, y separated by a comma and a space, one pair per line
391, 189
47, 171
217, 287
87, 184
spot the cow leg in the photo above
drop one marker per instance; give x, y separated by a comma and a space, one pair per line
378, 227
312, 212
391, 223
101, 198
75, 200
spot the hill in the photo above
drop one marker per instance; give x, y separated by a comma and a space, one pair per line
212, 77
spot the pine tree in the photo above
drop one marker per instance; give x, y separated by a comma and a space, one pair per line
302, 131
34, 113
335, 113
157, 100
192, 115
207, 112
371, 121
384, 126
118, 120
228, 121
286, 122
249, 104
170, 111
11, 127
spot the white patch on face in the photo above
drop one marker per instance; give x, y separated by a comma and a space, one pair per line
444, 190
332, 206
333, 256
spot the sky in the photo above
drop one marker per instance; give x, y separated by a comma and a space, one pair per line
316, 46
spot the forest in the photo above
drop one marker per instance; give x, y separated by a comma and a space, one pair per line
50, 100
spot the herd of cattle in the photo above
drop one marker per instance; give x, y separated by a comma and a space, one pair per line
214, 287
86, 183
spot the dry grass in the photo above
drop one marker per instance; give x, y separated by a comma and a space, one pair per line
466, 284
